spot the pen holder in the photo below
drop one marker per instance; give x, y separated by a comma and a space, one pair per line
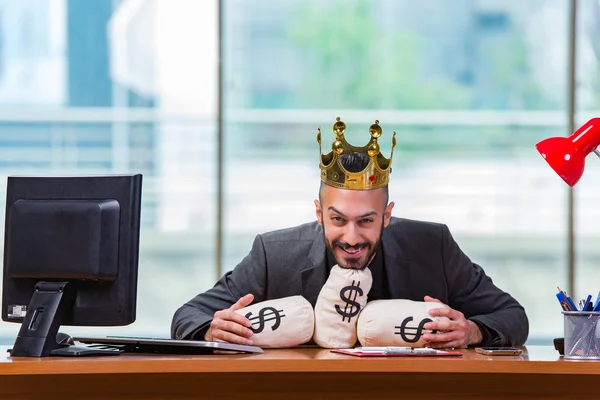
582, 334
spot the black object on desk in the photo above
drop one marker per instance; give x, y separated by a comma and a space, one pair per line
71, 247
165, 346
559, 345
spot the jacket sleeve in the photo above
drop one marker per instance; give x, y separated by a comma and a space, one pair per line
192, 319
502, 319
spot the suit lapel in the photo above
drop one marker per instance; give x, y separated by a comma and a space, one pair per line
398, 269
313, 276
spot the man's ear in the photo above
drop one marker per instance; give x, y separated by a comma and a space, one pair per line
319, 212
387, 214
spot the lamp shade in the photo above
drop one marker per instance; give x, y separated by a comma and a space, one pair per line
566, 155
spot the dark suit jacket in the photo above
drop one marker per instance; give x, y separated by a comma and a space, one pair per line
420, 258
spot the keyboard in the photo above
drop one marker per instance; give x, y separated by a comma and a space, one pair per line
133, 344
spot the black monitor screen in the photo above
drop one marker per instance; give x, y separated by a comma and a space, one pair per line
72, 237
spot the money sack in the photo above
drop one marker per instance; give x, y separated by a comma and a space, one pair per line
280, 323
395, 323
339, 303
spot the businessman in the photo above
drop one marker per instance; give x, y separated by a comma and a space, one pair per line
354, 228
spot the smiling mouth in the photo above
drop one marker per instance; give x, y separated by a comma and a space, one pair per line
353, 252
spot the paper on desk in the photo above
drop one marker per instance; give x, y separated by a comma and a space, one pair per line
396, 352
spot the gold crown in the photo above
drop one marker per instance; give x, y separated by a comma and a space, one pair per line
375, 175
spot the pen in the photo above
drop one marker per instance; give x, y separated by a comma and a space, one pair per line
569, 300
412, 351
385, 348
563, 301
587, 302
597, 303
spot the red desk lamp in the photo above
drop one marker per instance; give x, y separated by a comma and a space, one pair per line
566, 155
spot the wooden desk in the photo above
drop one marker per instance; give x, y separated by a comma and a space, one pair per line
299, 374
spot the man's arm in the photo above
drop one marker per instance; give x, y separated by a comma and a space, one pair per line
501, 319
192, 320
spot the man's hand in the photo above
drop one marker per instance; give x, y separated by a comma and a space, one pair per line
456, 332
229, 326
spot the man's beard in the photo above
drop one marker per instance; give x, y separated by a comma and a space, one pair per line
353, 263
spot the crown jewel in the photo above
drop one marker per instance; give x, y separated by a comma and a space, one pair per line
375, 175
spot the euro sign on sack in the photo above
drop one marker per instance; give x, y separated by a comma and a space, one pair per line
280, 323
338, 306
412, 334
395, 323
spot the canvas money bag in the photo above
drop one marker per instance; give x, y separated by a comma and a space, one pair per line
395, 323
279, 323
338, 306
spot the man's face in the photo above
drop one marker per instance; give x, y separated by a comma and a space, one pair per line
353, 221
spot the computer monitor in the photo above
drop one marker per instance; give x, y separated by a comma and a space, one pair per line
70, 257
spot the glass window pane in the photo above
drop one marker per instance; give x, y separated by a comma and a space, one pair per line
587, 191
469, 86
121, 86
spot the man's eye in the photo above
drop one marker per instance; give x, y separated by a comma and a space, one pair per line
337, 219
366, 221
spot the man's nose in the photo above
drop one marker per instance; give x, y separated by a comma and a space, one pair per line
352, 234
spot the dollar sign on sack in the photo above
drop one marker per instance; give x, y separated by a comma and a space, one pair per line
352, 307
418, 331
264, 315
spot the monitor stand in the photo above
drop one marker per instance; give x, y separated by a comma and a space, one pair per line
37, 336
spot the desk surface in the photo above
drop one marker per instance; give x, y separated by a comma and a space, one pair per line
538, 359
539, 373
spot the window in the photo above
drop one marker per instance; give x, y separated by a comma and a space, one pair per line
116, 86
